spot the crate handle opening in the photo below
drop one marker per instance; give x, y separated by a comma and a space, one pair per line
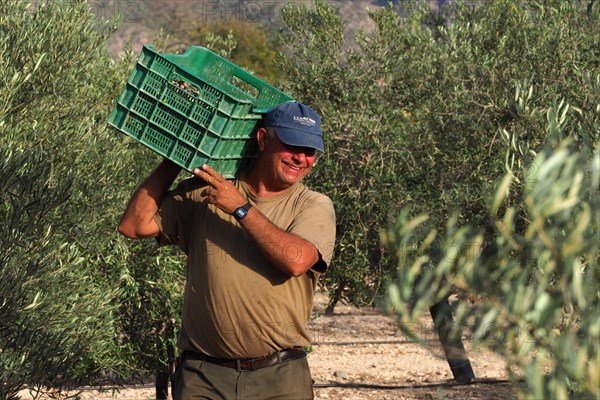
245, 86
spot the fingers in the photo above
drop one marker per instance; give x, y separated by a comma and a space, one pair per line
219, 191
209, 175
207, 193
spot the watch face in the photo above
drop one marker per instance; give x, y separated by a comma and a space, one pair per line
240, 213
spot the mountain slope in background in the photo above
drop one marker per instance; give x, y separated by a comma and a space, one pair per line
142, 20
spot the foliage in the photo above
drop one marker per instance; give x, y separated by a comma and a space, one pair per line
103, 297
26, 199
359, 154
410, 113
533, 271
409, 117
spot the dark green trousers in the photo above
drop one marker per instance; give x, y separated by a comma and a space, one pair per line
196, 379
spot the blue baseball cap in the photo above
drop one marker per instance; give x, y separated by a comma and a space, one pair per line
296, 125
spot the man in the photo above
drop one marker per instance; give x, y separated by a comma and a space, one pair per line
255, 248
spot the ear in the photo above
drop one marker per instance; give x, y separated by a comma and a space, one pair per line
262, 136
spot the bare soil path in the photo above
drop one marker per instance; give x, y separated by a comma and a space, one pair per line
360, 354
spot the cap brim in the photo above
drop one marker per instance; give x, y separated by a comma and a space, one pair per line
295, 137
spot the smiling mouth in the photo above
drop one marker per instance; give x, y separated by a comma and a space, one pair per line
293, 168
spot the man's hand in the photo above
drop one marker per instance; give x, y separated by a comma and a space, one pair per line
220, 192
273, 242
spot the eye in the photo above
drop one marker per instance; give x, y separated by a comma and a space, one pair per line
307, 151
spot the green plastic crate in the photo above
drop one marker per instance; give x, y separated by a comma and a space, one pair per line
194, 108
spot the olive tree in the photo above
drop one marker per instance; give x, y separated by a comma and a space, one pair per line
86, 306
411, 111
532, 275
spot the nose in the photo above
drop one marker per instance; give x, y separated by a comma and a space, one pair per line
299, 157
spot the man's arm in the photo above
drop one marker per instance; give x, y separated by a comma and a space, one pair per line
288, 252
137, 221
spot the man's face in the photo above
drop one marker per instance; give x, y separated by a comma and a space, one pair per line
289, 164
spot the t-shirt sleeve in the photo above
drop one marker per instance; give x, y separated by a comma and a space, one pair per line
176, 211
316, 223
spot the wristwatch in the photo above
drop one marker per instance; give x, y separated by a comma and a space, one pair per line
241, 212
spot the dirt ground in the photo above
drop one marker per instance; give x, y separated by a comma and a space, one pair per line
359, 354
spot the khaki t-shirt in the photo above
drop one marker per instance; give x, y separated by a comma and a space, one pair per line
236, 304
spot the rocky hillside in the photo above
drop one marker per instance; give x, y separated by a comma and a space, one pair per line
142, 20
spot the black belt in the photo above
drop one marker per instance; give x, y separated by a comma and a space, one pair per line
249, 364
